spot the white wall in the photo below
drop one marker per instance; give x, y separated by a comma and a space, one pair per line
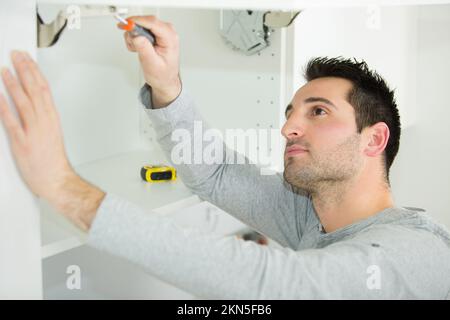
409, 49
388, 46
421, 173
20, 254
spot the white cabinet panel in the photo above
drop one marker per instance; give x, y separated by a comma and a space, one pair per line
20, 260
248, 4
95, 83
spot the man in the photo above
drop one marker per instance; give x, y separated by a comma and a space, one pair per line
333, 211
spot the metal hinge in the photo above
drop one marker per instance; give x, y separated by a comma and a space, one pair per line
49, 33
249, 31
279, 19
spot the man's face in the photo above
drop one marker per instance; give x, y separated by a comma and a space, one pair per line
323, 146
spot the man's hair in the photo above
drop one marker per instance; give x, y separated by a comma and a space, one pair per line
370, 96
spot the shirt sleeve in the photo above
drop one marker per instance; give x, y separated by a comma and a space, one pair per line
217, 267
264, 202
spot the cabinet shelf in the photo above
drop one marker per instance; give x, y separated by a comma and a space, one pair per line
246, 4
120, 175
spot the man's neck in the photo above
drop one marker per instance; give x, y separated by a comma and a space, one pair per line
345, 203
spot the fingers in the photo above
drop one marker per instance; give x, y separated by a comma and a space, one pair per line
30, 92
136, 44
165, 37
164, 32
10, 122
42, 86
21, 62
22, 102
140, 45
129, 42
145, 49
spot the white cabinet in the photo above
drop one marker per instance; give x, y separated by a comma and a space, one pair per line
95, 83
20, 265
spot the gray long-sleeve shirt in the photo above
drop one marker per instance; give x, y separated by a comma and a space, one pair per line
394, 254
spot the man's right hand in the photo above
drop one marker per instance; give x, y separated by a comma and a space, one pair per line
159, 62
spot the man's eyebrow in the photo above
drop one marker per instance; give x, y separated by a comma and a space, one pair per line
310, 100
319, 99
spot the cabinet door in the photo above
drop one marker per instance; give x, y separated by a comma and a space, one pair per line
20, 256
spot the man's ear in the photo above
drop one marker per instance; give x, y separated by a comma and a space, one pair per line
377, 137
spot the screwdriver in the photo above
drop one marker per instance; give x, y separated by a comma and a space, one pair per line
134, 29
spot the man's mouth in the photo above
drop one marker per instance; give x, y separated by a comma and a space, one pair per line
294, 150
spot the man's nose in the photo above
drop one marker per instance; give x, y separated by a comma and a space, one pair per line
293, 128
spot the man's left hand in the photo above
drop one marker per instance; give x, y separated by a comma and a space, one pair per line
36, 141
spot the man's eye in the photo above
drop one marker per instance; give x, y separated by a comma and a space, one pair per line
317, 111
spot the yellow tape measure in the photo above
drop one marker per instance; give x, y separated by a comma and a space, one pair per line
158, 173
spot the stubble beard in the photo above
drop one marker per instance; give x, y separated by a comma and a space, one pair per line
330, 170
